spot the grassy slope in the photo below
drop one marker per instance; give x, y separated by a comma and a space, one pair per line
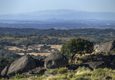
81, 73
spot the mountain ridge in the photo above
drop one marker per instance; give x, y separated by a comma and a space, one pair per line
61, 15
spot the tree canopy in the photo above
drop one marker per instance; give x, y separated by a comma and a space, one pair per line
77, 45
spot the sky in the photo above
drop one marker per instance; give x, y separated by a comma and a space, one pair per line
25, 6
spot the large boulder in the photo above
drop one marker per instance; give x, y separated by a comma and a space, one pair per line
56, 60
20, 65
6, 57
105, 47
99, 61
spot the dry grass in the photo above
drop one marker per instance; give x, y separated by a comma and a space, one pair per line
39, 54
58, 47
79, 74
14, 48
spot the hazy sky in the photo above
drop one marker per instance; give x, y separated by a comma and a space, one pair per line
24, 6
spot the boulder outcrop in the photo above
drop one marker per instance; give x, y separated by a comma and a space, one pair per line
105, 47
56, 60
20, 65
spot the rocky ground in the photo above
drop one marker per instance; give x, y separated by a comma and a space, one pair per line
57, 66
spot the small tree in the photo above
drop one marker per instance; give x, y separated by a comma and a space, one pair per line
74, 46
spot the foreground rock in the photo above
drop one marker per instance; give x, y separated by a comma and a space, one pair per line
7, 57
99, 61
56, 60
21, 65
105, 47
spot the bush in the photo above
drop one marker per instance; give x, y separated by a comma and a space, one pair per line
77, 45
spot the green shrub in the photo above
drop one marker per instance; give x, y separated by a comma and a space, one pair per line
77, 46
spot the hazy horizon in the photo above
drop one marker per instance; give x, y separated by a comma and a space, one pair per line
58, 13
27, 6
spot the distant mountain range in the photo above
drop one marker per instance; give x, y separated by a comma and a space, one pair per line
55, 15
59, 19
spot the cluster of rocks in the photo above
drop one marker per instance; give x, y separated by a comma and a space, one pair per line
98, 58
95, 61
30, 65
55, 60
100, 61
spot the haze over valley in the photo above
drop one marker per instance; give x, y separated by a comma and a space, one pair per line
59, 19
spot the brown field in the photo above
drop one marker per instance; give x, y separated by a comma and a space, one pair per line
35, 54
58, 47
18, 50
